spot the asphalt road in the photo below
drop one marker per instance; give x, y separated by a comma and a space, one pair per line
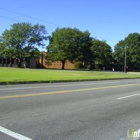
99, 110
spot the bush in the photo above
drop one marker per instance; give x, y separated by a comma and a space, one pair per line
97, 67
94, 69
78, 65
88, 66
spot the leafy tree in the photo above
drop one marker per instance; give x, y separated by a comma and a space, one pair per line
85, 53
132, 44
119, 53
2, 47
102, 52
5, 52
132, 41
23, 39
68, 44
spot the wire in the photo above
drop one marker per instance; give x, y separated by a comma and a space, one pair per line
29, 16
9, 18
17, 20
41, 21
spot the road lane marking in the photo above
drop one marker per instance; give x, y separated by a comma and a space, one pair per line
129, 96
64, 91
36, 87
13, 134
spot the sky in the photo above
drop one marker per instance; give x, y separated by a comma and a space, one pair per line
110, 20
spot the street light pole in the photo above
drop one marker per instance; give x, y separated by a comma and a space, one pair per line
125, 61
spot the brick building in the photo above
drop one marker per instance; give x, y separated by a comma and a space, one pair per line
55, 64
35, 63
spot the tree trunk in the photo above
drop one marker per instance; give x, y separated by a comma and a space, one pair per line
91, 65
2, 61
19, 62
63, 64
6, 61
10, 61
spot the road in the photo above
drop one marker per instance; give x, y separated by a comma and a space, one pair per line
92, 110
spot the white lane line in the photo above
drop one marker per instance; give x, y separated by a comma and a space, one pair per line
13, 134
124, 97
56, 86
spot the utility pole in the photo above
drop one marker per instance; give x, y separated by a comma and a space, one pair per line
125, 60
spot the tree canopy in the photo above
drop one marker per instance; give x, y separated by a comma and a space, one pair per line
69, 44
102, 52
132, 44
23, 40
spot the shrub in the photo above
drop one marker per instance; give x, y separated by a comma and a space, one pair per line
78, 65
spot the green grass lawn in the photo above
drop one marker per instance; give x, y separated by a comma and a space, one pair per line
8, 75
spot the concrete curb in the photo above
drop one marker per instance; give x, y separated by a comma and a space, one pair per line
60, 81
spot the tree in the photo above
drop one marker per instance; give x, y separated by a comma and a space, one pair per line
22, 39
132, 41
119, 53
68, 44
102, 52
5, 52
85, 53
132, 44
2, 48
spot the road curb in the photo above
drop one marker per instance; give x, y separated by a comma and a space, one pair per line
60, 81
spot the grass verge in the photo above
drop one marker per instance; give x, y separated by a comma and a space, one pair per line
17, 75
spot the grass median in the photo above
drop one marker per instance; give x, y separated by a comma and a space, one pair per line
19, 75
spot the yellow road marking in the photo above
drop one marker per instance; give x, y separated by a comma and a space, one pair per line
64, 91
